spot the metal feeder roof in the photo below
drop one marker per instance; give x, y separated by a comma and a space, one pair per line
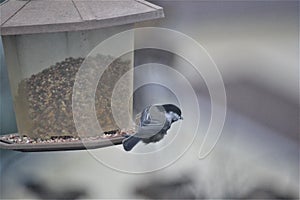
45, 16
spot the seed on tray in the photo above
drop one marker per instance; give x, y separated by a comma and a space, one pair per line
17, 139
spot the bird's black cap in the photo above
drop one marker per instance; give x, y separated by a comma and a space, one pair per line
173, 108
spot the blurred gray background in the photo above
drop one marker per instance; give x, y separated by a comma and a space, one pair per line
255, 45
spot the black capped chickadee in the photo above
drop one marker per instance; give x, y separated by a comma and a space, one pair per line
153, 124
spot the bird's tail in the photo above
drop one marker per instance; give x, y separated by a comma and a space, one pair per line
130, 142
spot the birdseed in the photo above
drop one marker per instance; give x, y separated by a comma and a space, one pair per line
44, 101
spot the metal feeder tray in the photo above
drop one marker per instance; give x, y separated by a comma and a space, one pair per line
59, 146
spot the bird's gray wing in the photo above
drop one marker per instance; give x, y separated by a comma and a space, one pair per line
153, 120
145, 117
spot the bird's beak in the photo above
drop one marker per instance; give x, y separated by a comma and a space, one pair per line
181, 117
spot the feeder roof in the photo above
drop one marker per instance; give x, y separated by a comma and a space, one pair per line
45, 16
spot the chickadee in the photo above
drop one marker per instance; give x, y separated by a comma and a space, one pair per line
153, 124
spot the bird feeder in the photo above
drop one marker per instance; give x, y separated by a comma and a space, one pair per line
45, 42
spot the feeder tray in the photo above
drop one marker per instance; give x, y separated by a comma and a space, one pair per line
15, 142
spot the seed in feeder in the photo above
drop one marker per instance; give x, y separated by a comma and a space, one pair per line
49, 98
